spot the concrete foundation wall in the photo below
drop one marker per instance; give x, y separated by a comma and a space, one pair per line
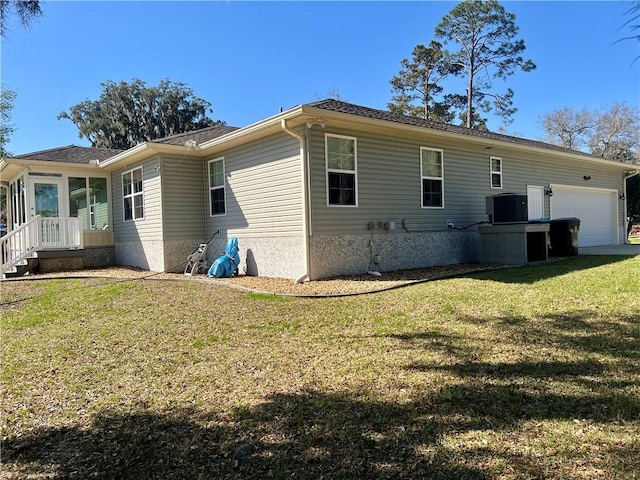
60, 260
95, 257
148, 255
334, 255
176, 253
280, 257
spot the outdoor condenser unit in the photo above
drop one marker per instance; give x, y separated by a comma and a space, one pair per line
507, 208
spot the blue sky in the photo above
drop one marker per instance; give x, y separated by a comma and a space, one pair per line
251, 58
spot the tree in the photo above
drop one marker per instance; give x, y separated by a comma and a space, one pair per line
26, 10
7, 97
616, 134
129, 113
567, 128
633, 23
488, 49
419, 80
613, 133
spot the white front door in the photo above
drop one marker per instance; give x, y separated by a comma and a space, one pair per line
535, 202
46, 201
46, 197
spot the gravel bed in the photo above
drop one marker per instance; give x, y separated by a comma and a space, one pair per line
346, 285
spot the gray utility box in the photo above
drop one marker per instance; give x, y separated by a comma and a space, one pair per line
514, 244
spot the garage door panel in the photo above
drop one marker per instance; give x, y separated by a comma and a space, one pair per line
596, 210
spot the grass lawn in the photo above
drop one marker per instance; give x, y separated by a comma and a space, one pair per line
523, 373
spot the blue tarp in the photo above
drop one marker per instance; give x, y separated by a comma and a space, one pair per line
226, 265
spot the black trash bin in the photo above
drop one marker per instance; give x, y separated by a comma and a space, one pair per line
563, 237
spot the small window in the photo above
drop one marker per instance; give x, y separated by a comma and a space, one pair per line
341, 163
133, 195
431, 171
496, 172
217, 195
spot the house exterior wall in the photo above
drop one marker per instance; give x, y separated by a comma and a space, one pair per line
264, 206
140, 242
389, 189
183, 211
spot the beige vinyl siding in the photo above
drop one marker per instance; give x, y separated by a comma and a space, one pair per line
149, 227
263, 189
389, 181
183, 210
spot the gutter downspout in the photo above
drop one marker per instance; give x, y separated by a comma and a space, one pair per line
626, 214
305, 200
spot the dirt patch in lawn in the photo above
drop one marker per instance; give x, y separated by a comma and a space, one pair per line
345, 285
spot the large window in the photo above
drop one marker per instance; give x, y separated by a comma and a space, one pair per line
431, 171
341, 164
217, 187
496, 172
133, 195
88, 201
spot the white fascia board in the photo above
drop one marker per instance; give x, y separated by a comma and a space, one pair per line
140, 152
11, 167
147, 149
486, 142
255, 129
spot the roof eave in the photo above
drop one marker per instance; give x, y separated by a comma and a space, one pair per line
10, 167
487, 142
140, 152
250, 132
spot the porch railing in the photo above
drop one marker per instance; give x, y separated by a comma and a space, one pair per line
39, 233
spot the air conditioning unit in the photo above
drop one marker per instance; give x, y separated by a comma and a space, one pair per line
507, 208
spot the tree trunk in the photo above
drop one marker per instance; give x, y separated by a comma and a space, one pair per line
470, 94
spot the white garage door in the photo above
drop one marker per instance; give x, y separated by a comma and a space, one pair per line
596, 209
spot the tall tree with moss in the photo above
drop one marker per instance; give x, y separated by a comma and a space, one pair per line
418, 83
487, 49
25, 10
130, 113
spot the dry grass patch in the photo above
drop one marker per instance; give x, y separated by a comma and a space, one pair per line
518, 373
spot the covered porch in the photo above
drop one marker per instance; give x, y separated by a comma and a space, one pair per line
57, 214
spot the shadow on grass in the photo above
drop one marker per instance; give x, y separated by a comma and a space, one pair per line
314, 435
582, 331
543, 271
310, 435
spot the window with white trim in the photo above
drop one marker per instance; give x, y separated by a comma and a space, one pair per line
217, 194
496, 172
133, 195
341, 164
432, 174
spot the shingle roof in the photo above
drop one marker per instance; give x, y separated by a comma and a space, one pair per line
200, 136
70, 154
344, 107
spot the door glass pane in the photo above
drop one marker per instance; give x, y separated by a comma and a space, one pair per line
46, 199
99, 207
78, 199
